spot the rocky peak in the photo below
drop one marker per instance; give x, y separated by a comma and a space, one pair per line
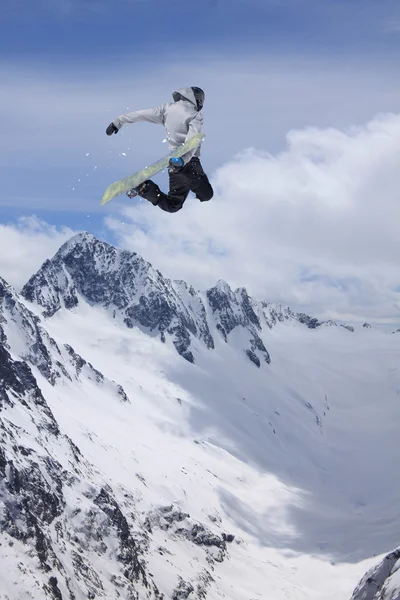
131, 290
223, 287
382, 582
53, 509
24, 331
236, 309
87, 267
61, 520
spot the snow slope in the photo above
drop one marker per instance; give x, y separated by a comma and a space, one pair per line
232, 481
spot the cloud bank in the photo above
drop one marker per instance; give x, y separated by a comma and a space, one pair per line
314, 226
24, 246
55, 147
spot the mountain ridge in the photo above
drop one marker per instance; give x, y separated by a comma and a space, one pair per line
53, 498
128, 472
123, 282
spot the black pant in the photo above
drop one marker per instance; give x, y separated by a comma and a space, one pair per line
190, 178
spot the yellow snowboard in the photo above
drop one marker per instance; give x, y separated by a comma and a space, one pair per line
122, 186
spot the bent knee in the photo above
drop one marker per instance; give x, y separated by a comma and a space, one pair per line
206, 195
173, 207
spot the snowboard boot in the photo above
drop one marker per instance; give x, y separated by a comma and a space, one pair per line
175, 165
137, 191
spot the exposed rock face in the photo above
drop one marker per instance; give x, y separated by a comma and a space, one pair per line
381, 582
60, 522
52, 505
86, 269
81, 535
311, 322
54, 362
52, 498
124, 283
232, 310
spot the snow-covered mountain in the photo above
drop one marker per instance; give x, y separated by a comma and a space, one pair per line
138, 295
54, 501
129, 472
382, 582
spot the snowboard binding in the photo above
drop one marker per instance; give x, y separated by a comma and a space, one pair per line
132, 193
137, 191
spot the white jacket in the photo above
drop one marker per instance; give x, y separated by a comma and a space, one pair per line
181, 120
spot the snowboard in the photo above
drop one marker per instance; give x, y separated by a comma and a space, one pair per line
120, 187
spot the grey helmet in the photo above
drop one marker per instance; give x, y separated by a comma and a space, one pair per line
200, 97
195, 95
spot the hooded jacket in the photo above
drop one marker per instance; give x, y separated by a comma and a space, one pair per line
181, 120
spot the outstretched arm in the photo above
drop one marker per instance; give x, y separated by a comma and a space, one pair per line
151, 115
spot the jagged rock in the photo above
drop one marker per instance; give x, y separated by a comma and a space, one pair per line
53, 588
76, 359
204, 537
183, 590
125, 284
254, 358
329, 323
236, 309
17, 376
41, 351
121, 392
204, 581
166, 516
128, 551
38, 481
57, 506
36, 490
381, 582
86, 269
275, 313
172, 519
311, 322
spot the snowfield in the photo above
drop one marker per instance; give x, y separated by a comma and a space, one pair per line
215, 472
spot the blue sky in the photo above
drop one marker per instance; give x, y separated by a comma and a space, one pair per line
61, 29
268, 67
105, 29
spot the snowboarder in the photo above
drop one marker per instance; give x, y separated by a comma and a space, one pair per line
182, 119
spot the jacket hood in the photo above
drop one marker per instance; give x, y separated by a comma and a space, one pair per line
185, 94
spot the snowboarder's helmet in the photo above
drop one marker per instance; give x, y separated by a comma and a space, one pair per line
200, 97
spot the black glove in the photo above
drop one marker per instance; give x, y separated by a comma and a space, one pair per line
111, 129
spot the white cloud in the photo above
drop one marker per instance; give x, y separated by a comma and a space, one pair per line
25, 246
315, 226
52, 120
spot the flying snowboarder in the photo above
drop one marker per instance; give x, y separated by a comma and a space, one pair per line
182, 119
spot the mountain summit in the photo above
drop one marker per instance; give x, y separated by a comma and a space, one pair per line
135, 293
157, 442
